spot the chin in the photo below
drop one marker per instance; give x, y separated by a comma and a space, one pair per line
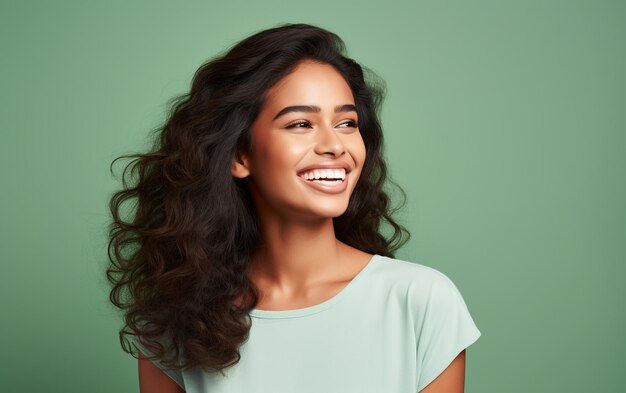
331, 212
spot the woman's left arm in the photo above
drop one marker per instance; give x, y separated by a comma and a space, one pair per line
451, 380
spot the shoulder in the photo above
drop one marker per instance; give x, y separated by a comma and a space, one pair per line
422, 286
412, 275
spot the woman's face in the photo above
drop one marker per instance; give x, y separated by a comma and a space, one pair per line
308, 120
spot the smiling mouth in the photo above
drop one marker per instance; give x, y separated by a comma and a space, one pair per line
327, 185
324, 180
325, 176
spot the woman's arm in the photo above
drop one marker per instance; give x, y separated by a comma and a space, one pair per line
153, 380
451, 380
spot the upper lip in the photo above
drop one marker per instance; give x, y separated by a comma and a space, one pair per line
327, 165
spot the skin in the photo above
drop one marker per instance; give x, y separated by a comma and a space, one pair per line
451, 380
299, 262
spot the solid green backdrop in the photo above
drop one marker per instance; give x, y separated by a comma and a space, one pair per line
504, 123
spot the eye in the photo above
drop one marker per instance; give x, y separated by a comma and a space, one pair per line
293, 125
350, 123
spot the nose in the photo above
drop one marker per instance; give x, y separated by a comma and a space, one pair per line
328, 141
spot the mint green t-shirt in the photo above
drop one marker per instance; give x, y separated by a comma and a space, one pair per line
394, 328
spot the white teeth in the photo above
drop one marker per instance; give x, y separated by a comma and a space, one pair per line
325, 173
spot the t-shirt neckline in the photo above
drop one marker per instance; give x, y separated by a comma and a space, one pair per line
300, 312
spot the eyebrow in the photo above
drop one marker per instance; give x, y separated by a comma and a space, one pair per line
313, 109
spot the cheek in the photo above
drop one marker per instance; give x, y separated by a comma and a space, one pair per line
359, 154
363, 150
276, 161
358, 149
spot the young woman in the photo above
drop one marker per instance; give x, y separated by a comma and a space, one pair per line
254, 260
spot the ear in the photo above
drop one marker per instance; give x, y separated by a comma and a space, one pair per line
240, 166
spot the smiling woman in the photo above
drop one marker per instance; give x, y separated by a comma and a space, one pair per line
328, 140
254, 261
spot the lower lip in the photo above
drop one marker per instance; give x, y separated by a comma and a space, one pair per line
334, 189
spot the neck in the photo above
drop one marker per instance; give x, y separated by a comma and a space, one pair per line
294, 256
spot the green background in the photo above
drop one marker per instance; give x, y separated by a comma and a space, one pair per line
504, 123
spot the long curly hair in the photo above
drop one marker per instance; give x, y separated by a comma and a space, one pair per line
178, 261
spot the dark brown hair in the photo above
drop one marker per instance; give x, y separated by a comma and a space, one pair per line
179, 262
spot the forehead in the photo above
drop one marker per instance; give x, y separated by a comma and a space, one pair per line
311, 83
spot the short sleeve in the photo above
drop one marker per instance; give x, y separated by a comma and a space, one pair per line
176, 375
444, 329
